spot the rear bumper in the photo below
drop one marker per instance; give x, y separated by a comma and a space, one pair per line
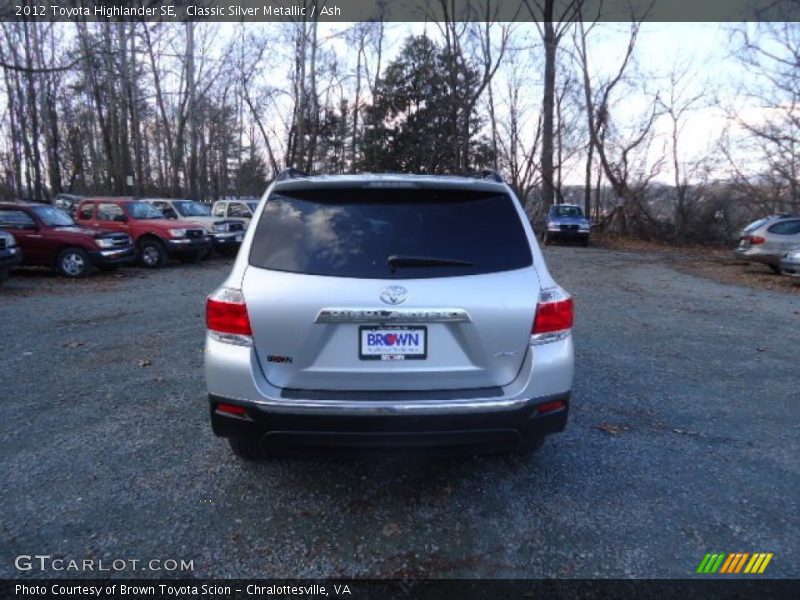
754, 254
10, 257
113, 257
488, 427
790, 267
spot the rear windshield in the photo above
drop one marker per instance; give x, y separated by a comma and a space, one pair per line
390, 233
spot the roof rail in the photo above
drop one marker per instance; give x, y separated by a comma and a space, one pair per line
290, 173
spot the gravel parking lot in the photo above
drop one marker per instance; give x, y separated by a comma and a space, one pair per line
684, 439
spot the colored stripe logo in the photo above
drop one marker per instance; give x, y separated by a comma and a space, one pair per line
734, 562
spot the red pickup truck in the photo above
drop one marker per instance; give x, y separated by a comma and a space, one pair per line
155, 236
48, 237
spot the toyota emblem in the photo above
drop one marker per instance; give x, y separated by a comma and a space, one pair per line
394, 294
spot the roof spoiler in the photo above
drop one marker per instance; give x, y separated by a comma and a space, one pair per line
290, 173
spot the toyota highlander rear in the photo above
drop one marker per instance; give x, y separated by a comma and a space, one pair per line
388, 312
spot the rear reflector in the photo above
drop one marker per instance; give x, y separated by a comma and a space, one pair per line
226, 312
755, 239
554, 316
548, 407
232, 409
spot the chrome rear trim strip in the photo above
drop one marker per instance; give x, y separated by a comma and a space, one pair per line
392, 315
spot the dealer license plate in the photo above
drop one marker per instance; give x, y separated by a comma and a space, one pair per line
393, 343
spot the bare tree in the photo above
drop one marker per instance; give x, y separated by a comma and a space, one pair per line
552, 23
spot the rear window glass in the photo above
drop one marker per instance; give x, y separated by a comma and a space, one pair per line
786, 228
390, 233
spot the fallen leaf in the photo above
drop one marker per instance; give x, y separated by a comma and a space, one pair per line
73, 345
685, 432
760, 349
611, 428
391, 529
145, 362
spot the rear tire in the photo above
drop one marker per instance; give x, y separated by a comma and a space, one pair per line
247, 449
585, 243
4, 275
73, 263
152, 254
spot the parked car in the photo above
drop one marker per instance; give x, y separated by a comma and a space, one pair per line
226, 234
156, 237
790, 262
48, 237
235, 209
67, 202
10, 255
566, 221
767, 240
361, 312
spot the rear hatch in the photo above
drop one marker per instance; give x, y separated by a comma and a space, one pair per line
363, 288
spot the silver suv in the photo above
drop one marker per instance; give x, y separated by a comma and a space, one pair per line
388, 311
767, 240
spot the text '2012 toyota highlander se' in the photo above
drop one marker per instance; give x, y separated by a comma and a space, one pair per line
388, 312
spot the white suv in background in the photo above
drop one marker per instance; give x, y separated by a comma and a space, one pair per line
388, 311
226, 234
235, 209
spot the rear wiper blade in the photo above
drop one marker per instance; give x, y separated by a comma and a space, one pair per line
396, 260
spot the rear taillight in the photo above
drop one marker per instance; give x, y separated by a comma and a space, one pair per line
755, 239
554, 316
232, 409
226, 317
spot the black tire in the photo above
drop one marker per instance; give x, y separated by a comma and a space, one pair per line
152, 254
531, 445
247, 449
585, 243
4, 275
108, 268
775, 269
73, 263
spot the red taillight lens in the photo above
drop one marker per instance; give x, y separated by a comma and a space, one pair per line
226, 312
756, 239
553, 316
548, 407
232, 409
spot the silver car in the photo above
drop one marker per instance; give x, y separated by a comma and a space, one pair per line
388, 311
767, 240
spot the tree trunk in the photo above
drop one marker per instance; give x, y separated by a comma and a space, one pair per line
548, 105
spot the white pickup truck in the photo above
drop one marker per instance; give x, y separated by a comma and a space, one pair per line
227, 234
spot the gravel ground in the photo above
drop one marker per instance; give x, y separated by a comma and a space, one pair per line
684, 439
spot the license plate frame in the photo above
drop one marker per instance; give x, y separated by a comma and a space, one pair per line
392, 355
